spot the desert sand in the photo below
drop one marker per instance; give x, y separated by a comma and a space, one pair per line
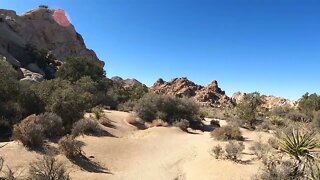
158, 153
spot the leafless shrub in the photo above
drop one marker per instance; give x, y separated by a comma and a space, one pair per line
85, 126
227, 133
70, 147
48, 168
234, 150
217, 151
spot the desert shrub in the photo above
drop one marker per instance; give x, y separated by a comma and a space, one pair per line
85, 126
127, 106
259, 148
280, 111
170, 109
246, 109
48, 168
69, 101
29, 132
157, 123
75, 68
297, 116
316, 118
273, 142
276, 168
98, 112
183, 124
277, 121
309, 103
70, 147
52, 124
217, 151
226, 133
234, 150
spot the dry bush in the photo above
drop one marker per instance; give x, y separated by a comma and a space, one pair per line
277, 121
260, 149
217, 151
52, 124
70, 147
234, 150
98, 112
273, 142
295, 115
48, 168
157, 123
183, 124
226, 133
29, 132
85, 126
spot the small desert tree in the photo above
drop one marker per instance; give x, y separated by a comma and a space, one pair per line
248, 106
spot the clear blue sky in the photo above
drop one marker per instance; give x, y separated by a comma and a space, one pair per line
270, 46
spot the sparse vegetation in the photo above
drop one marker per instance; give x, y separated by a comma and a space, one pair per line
234, 150
226, 133
52, 125
260, 149
48, 168
70, 147
183, 124
85, 126
217, 151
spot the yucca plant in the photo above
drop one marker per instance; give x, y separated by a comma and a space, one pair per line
299, 145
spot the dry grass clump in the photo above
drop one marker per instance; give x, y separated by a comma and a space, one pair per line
85, 126
48, 168
260, 149
70, 147
226, 133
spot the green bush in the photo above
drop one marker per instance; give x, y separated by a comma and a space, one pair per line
48, 168
309, 103
29, 132
67, 100
226, 133
247, 108
168, 108
75, 68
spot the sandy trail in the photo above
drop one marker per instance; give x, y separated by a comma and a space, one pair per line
159, 153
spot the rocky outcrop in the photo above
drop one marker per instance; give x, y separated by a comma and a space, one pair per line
30, 76
211, 95
269, 102
47, 29
127, 82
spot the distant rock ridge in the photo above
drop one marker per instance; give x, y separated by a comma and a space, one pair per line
127, 82
211, 95
269, 102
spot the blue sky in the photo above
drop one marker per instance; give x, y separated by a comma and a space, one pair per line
270, 46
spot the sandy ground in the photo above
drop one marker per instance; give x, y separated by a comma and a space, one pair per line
159, 153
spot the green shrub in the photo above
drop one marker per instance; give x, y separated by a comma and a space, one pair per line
29, 132
309, 103
226, 133
247, 108
48, 168
75, 68
69, 101
168, 108
234, 150
70, 147
85, 126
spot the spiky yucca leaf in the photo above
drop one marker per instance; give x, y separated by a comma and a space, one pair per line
299, 144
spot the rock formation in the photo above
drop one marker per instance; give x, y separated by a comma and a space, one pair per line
269, 102
211, 95
46, 29
127, 82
